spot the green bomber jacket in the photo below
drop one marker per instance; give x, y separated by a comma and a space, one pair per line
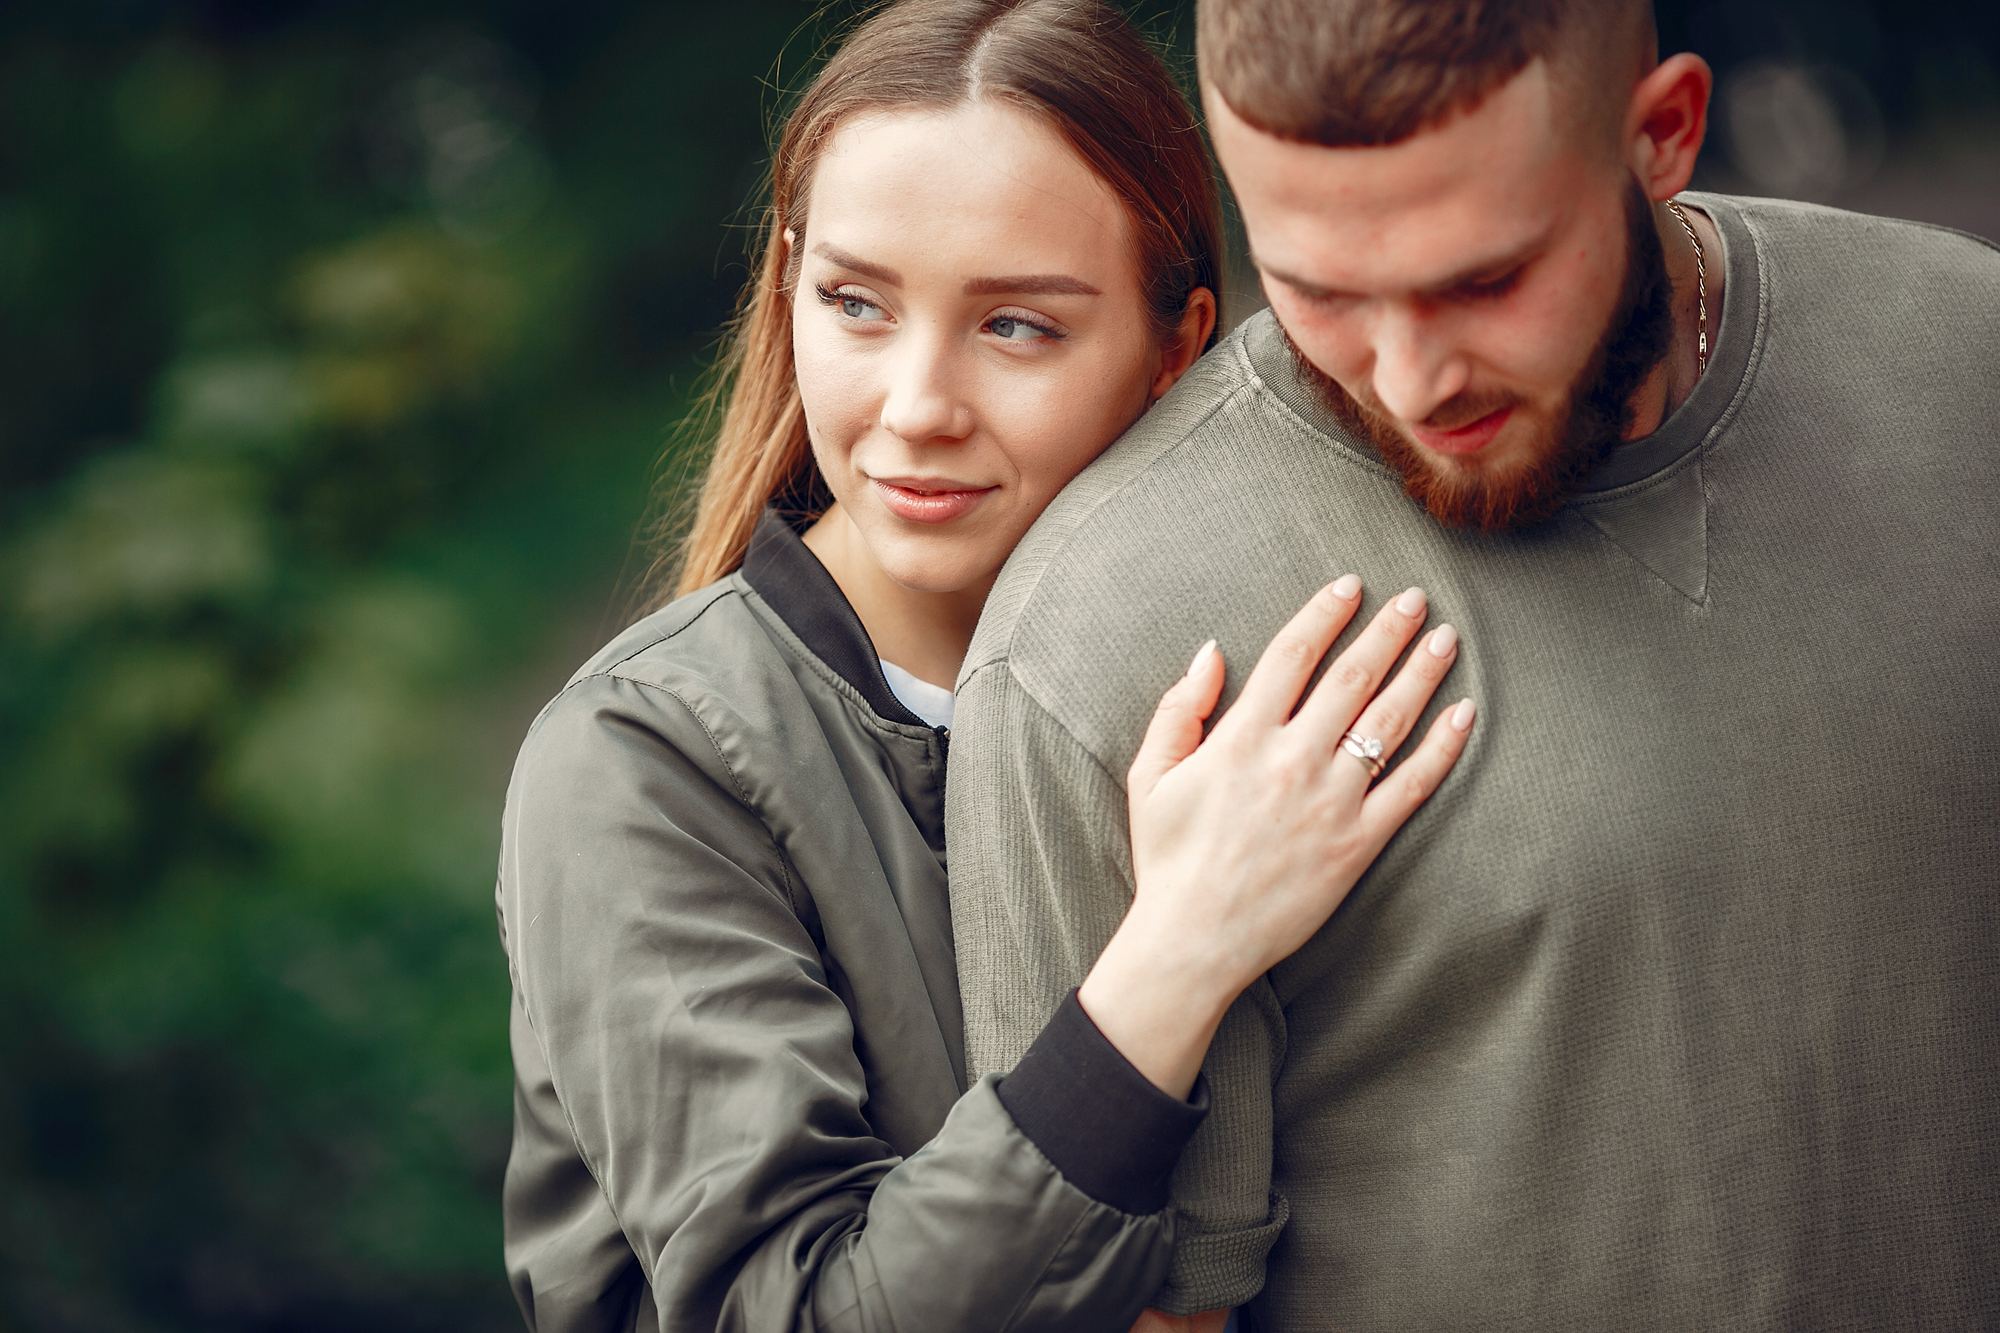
740, 1095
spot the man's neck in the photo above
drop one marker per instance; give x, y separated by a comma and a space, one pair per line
1678, 372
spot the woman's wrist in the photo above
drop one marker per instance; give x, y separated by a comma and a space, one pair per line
1158, 1004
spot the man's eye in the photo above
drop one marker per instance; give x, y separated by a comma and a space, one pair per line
1493, 288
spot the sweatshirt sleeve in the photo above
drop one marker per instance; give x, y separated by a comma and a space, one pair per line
688, 1086
1041, 876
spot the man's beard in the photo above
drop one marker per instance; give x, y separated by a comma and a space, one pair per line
1599, 411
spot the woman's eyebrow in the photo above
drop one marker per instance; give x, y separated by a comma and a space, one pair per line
1032, 284
834, 254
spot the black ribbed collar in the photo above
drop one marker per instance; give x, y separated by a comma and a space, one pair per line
792, 581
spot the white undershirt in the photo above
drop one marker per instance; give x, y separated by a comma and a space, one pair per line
930, 702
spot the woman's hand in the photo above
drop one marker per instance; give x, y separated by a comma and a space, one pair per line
1243, 844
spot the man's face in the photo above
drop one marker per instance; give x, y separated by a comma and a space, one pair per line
1484, 296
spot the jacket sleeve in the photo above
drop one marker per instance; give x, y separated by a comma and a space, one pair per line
676, 1021
1041, 876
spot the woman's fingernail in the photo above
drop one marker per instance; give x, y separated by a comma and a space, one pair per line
1443, 639
1201, 656
1346, 587
1411, 603
1461, 716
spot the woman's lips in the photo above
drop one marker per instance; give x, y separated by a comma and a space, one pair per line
1467, 439
922, 500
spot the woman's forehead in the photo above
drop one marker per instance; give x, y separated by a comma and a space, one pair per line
983, 182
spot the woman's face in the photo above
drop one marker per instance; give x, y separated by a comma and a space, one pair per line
968, 330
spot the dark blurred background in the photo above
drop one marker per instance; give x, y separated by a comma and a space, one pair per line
342, 348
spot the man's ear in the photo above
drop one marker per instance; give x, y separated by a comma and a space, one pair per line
1666, 121
1197, 322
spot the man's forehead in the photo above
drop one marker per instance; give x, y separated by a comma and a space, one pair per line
1474, 190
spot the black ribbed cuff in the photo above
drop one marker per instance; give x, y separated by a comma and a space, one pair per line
1110, 1132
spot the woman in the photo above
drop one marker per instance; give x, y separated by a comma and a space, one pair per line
740, 1102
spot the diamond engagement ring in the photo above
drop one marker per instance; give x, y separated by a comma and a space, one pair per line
1365, 748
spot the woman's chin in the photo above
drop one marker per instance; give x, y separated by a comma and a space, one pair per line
940, 583
930, 558
942, 566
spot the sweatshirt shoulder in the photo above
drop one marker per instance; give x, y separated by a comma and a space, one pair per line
1103, 499
1877, 270
1839, 234
1909, 311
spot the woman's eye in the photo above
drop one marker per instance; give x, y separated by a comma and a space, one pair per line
1017, 330
849, 305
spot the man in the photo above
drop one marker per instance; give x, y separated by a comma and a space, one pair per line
1676, 1007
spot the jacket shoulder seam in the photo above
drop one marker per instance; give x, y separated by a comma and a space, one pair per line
735, 781
723, 592
610, 668
610, 672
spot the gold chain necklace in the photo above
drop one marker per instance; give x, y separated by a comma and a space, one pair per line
1701, 286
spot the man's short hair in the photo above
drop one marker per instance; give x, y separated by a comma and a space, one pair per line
1363, 73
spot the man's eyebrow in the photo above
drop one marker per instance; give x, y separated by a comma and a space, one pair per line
881, 273
1031, 284
1493, 266
1487, 270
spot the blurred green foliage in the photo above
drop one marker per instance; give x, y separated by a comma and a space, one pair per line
338, 351
339, 347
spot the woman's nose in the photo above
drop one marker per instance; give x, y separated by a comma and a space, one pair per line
1417, 369
925, 401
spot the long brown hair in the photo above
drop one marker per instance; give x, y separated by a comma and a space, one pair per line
1079, 63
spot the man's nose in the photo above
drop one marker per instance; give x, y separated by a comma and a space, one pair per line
925, 401
1417, 369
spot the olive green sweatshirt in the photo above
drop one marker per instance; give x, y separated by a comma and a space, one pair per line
1679, 1005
